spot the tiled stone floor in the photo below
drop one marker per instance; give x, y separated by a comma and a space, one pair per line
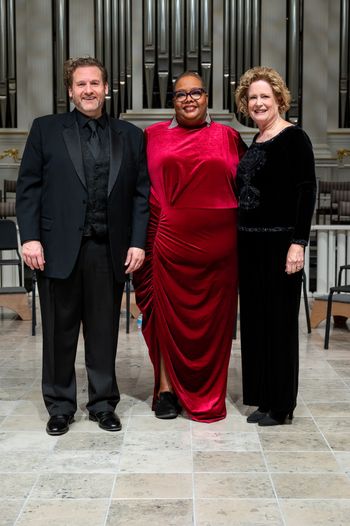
174, 473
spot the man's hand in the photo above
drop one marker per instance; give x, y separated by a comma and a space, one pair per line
33, 255
134, 259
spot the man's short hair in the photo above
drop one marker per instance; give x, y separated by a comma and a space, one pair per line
81, 62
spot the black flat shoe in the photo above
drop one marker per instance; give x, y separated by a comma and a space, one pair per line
167, 406
107, 420
59, 424
256, 416
275, 419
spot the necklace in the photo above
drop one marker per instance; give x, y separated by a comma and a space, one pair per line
266, 135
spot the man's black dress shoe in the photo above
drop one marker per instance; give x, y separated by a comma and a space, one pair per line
107, 420
167, 406
59, 424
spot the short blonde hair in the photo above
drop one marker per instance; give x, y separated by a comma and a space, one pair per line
270, 75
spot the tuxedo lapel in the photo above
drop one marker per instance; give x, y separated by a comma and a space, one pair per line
116, 155
72, 139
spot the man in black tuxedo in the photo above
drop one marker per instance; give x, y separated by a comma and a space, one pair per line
82, 209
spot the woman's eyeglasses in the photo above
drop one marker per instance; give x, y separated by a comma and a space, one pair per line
195, 94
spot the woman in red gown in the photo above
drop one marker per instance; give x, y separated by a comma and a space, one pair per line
187, 288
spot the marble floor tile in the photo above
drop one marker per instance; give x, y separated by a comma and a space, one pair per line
22, 461
12, 394
81, 461
338, 441
282, 441
157, 440
153, 486
144, 424
231, 424
318, 373
343, 459
7, 407
301, 409
232, 485
10, 510
73, 486
22, 382
142, 407
176, 512
302, 462
31, 441
333, 409
159, 461
299, 424
29, 408
330, 424
325, 395
343, 372
227, 441
228, 461
27, 423
67, 512
124, 407
334, 512
16, 485
99, 440
237, 512
314, 383
311, 485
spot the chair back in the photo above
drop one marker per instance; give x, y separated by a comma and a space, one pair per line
327, 198
8, 209
8, 235
344, 211
10, 186
340, 200
340, 195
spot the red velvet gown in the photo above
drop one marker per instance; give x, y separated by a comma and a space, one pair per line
187, 287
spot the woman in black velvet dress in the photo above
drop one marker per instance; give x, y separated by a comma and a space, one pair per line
277, 186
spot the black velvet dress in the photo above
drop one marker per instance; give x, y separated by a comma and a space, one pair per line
277, 186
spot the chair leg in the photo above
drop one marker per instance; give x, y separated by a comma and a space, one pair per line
306, 303
127, 294
328, 319
20, 274
33, 303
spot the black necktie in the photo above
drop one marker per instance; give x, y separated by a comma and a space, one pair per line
94, 141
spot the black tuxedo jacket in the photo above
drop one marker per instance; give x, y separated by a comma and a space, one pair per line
52, 194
